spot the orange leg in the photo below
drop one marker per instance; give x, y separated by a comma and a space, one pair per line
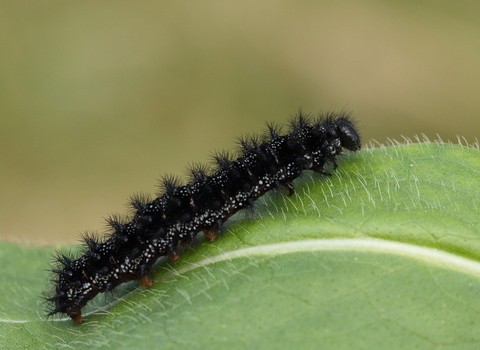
173, 256
78, 318
146, 281
210, 234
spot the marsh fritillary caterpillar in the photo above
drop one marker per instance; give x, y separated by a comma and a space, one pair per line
211, 196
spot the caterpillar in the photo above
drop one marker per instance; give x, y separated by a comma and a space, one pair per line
212, 195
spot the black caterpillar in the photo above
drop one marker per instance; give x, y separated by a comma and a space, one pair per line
211, 197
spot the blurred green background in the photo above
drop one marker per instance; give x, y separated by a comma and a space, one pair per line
99, 98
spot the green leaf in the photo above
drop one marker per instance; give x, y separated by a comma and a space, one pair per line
383, 254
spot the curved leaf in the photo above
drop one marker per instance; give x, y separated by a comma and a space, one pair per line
383, 254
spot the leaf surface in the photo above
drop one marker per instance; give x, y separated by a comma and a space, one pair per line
383, 254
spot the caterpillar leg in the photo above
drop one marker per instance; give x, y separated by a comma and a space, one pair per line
290, 188
210, 234
322, 171
78, 318
146, 281
173, 256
